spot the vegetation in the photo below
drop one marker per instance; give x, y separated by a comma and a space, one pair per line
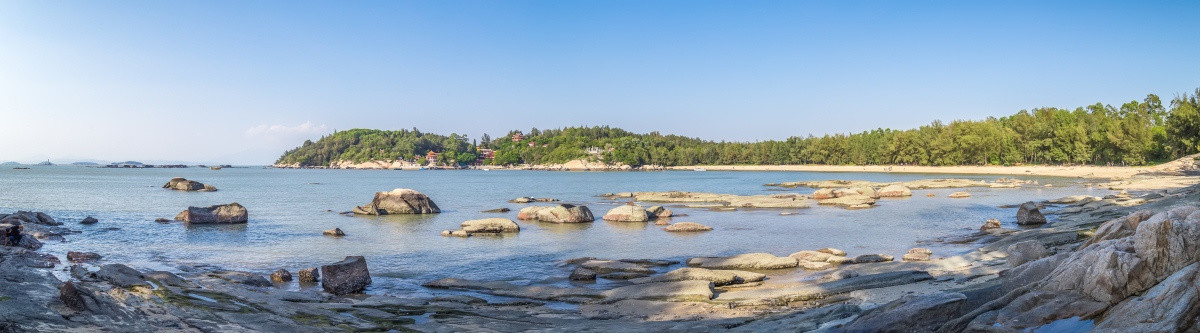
1136, 133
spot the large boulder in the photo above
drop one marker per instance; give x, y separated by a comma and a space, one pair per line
1026, 251
895, 191
627, 213
181, 184
24, 217
659, 211
399, 201
1028, 214
751, 261
564, 213
1171, 306
230, 213
492, 225
346, 277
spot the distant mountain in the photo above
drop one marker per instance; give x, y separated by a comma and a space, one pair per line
129, 163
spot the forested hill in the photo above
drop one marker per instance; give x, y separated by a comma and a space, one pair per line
1135, 133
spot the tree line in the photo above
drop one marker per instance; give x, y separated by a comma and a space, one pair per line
1134, 133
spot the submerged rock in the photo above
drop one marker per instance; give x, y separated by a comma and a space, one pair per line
1028, 214
582, 274
399, 201
230, 213
609, 266
89, 220
346, 277
498, 210
181, 184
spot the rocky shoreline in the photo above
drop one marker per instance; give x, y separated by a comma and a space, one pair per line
1117, 263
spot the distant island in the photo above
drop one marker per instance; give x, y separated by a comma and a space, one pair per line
85, 163
1135, 133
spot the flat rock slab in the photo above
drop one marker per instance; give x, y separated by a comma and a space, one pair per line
717, 277
501, 288
610, 266
675, 291
806, 291
751, 261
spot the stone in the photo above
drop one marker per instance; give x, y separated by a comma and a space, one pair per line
814, 265
78, 257
399, 201
868, 258
659, 211
911, 313
627, 213
245, 278
959, 195
853, 201
687, 227
1026, 251
836, 260
498, 210
990, 224
181, 184
582, 274
674, 291
1119, 228
825, 193
1029, 214
492, 225
89, 220
895, 191
281, 275
837, 275
455, 233
750, 261
230, 213
717, 277
1170, 306
335, 232
917, 254
563, 213
609, 266
308, 275
346, 277
71, 297
833, 251
808, 255
622, 275
121, 276
162, 220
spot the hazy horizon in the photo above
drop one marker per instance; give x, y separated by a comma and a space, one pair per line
240, 82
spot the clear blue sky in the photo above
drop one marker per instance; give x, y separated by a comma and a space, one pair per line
240, 81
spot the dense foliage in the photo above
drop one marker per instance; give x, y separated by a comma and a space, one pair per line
1136, 133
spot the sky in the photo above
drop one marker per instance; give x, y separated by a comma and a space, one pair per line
240, 82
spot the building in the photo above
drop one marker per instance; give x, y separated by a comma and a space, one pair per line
517, 137
485, 153
431, 157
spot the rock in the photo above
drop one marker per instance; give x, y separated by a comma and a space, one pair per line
532, 199
230, 213
245, 278
162, 220
807, 255
1171, 306
281, 275
623, 275
895, 191
867, 191
498, 210
78, 257
24, 217
675, 291
609, 266
917, 254
662, 222
492, 225
564, 213
814, 265
1023, 252
990, 224
121, 276
717, 277
867, 258
837, 275
687, 227
751, 261
335, 232
1028, 214
309, 275
1074, 199
911, 313
1119, 228
825, 193
959, 195
836, 260
346, 277
455, 233
582, 274
833, 251
89, 220
659, 211
399, 201
71, 297
627, 213
181, 184
854, 201
929, 195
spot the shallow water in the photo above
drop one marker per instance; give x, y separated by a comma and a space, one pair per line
289, 208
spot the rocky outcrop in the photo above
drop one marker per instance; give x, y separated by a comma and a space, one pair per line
1029, 214
88, 220
335, 232
674, 291
659, 211
78, 257
121, 276
917, 254
714, 200
910, 313
1026, 251
895, 191
687, 227
399, 201
564, 213
959, 195
717, 277
230, 213
627, 213
308, 275
26, 218
281, 275
346, 277
750, 261
181, 184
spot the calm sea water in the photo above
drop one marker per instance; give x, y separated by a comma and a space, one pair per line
289, 209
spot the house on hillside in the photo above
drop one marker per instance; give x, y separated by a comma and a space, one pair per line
517, 137
431, 157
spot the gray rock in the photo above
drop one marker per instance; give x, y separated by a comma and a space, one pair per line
610, 266
1171, 306
492, 225
498, 210
627, 213
564, 213
1029, 214
281, 275
751, 261
582, 274
309, 275
71, 297
717, 277
229, 213
181, 184
1023, 252
687, 227
89, 220
399, 201
917, 254
923, 313
78, 257
335, 232
867, 258
242, 278
346, 277
121, 276
676, 291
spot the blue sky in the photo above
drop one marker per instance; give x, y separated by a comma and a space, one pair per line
241, 81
